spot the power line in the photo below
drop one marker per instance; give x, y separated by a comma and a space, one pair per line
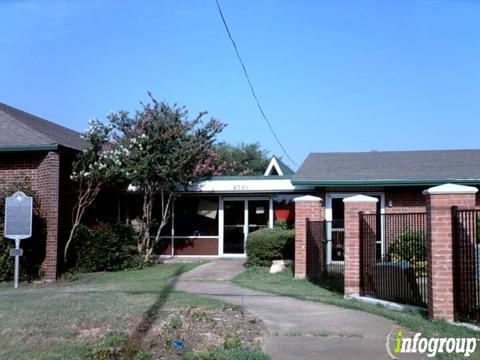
251, 86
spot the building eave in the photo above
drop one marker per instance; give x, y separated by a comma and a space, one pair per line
24, 148
385, 182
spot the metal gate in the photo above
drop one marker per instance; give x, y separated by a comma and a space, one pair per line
466, 267
325, 263
393, 259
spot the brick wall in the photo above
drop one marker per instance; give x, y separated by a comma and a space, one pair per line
14, 168
408, 199
440, 251
310, 208
42, 171
352, 242
48, 185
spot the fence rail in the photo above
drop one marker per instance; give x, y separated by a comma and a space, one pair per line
466, 267
325, 248
393, 257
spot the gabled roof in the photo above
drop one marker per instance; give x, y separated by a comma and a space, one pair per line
277, 167
390, 167
19, 129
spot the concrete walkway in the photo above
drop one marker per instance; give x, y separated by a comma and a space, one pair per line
298, 329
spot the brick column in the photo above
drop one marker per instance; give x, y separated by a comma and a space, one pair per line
440, 200
47, 184
306, 207
353, 206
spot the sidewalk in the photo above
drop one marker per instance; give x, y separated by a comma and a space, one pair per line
299, 329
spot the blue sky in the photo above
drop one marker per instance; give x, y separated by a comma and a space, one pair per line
331, 75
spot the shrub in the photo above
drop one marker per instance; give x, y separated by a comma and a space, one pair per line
410, 246
33, 248
106, 248
265, 245
228, 354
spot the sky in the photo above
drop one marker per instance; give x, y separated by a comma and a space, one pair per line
331, 75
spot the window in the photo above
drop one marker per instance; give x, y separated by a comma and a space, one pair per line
196, 216
284, 208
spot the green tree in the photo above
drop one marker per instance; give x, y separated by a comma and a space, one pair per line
243, 159
92, 170
163, 152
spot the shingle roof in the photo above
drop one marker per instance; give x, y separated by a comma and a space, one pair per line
19, 128
284, 167
389, 166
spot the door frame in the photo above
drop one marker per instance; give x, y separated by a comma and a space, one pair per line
221, 217
329, 217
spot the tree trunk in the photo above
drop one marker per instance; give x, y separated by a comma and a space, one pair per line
148, 199
86, 196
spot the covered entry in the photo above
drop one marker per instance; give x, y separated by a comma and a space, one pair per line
242, 216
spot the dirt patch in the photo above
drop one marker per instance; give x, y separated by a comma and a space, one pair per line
195, 329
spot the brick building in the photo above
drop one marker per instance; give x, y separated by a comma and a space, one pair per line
40, 153
215, 216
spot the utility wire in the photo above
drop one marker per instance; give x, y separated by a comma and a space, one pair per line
251, 86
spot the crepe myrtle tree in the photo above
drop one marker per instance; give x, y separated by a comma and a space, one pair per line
93, 168
163, 152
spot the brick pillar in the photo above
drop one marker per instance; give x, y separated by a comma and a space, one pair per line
306, 207
440, 200
353, 206
47, 184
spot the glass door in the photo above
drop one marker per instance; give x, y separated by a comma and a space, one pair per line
234, 227
258, 214
241, 217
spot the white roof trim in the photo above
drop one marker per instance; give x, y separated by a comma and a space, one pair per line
230, 185
273, 164
307, 198
450, 189
360, 198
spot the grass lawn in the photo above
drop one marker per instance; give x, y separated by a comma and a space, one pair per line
284, 284
65, 320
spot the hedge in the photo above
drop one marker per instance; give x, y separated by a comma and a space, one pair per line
106, 248
265, 245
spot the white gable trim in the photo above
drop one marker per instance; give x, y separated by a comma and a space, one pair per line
273, 164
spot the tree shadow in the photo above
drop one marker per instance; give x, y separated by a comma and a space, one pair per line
133, 345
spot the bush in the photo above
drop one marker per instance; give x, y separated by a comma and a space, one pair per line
33, 248
410, 246
265, 245
229, 354
106, 248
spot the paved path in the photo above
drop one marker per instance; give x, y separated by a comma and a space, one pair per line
297, 327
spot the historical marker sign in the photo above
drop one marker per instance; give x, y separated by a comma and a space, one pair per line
18, 216
18, 225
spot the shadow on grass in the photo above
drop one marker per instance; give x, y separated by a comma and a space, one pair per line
332, 282
133, 345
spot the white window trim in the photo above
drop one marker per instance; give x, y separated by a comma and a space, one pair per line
221, 218
329, 218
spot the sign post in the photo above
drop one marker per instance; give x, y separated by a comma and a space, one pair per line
18, 225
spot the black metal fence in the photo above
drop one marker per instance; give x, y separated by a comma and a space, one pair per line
466, 267
325, 248
393, 257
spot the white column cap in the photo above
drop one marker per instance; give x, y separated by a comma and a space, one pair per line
447, 189
307, 198
360, 198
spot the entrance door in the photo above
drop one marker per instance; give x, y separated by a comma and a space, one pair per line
234, 226
242, 217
